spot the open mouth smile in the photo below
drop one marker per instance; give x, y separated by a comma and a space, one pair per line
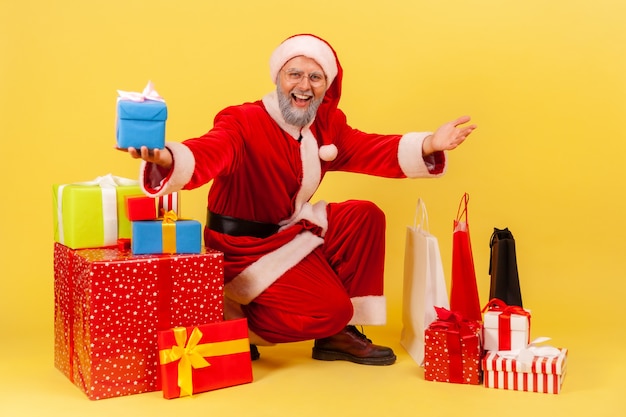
301, 100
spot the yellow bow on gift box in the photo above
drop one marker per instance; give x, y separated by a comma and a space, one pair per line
169, 231
192, 355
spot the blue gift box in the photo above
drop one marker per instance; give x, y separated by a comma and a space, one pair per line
141, 124
150, 237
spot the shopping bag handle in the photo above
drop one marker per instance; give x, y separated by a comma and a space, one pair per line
500, 234
421, 210
462, 204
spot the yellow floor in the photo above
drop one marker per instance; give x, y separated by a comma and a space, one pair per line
289, 383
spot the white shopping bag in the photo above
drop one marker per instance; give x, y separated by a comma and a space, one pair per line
424, 284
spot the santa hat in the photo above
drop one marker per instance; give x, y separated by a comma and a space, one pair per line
304, 45
319, 50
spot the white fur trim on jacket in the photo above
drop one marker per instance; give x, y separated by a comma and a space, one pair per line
311, 169
309, 151
369, 310
410, 156
184, 165
256, 278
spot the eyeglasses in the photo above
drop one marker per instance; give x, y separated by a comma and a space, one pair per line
295, 76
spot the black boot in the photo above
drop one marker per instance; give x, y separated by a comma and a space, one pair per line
254, 352
352, 345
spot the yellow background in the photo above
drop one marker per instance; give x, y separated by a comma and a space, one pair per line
544, 80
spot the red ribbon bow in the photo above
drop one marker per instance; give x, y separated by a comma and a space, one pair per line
504, 321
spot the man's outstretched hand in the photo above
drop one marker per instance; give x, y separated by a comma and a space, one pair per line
448, 136
160, 157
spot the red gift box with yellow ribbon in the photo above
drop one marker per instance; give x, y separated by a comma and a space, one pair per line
204, 358
505, 327
453, 349
110, 305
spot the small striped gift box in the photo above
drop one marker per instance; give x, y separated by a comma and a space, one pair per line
544, 374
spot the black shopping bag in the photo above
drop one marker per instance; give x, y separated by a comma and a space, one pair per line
503, 268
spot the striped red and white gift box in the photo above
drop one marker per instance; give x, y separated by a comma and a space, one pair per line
544, 375
170, 202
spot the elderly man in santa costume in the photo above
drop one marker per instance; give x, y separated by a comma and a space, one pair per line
298, 270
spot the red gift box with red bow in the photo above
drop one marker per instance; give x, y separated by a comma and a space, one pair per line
453, 349
110, 304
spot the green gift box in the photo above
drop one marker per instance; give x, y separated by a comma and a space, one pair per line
92, 214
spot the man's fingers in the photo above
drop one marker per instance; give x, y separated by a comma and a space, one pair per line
146, 153
468, 130
133, 153
461, 120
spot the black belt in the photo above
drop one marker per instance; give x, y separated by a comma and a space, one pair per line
239, 227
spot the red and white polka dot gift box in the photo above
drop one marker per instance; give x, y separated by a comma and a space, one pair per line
453, 350
110, 305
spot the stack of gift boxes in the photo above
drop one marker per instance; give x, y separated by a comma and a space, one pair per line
512, 361
138, 301
496, 352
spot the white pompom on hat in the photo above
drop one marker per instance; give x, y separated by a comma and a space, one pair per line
308, 46
328, 152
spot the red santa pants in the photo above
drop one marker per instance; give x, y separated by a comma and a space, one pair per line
313, 299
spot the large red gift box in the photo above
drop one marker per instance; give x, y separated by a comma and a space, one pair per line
110, 305
544, 374
453, 349
204, 358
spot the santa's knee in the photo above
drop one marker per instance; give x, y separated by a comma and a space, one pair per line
334, 318
369, 213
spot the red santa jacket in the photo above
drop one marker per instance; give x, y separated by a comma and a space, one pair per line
266, 170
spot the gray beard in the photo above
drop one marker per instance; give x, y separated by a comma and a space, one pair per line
296, 117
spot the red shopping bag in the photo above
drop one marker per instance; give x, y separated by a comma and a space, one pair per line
463, 292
